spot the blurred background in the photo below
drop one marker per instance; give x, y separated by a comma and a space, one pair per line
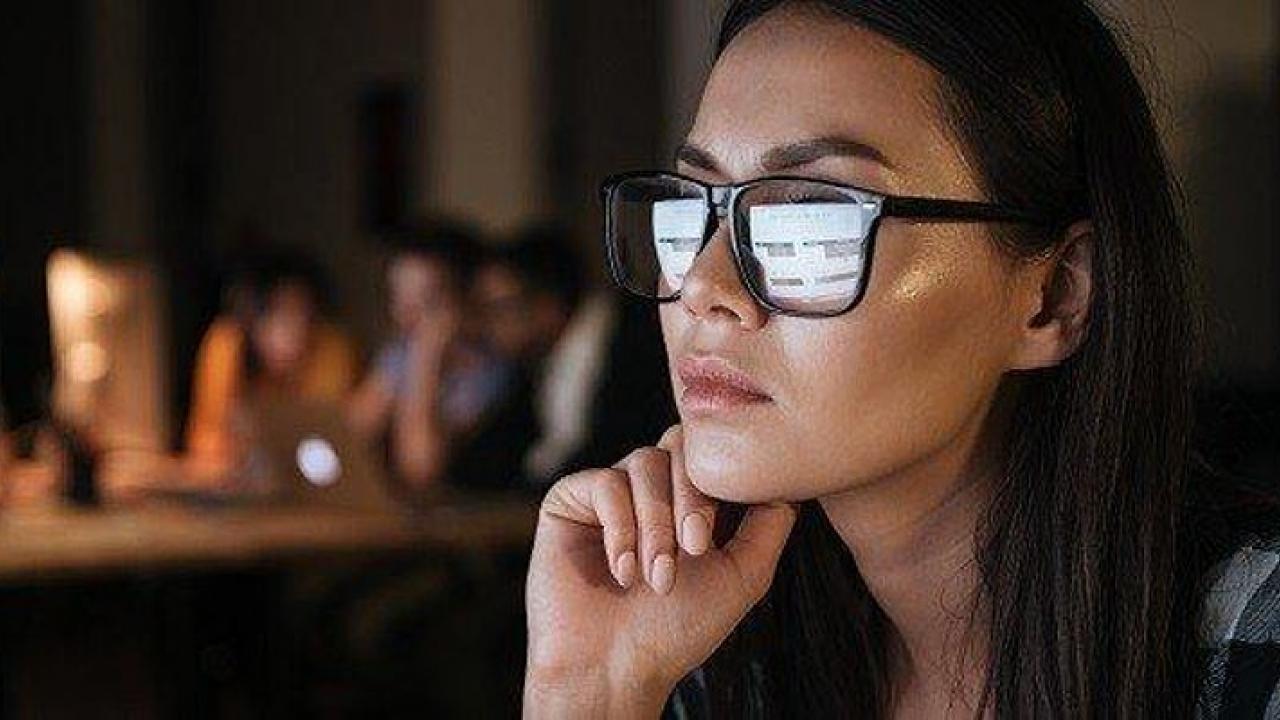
224, 221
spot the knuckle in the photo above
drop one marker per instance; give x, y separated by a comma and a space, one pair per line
670, 437
649, 462
752, 585
559, 491
619, 534
578, 489
604, 474
659, 534
609, 478
689, 494
692, 500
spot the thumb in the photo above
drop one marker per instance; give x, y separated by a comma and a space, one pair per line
754, 550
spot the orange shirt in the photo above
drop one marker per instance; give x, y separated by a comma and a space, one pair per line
219, 386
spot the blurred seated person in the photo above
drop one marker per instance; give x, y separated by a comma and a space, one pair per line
582, 353
434, 384
274, 339
31, 455
31, 465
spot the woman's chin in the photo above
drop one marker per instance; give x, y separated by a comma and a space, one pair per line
733, 475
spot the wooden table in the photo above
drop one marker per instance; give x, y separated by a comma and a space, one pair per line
125, 604
41, 544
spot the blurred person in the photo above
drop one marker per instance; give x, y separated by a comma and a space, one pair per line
448, 410
933, 328
32, 459
579, 353
433, 384
274, 339
33, 465
528, 291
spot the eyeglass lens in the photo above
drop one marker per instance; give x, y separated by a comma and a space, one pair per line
803, 245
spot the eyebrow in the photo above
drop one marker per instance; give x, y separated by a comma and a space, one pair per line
785, 157
791, 155
691, 154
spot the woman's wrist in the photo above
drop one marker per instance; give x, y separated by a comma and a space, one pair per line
591, 694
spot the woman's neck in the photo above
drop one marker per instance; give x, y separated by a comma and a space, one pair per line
912, 536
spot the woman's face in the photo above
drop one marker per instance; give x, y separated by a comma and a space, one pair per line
848, 400
282, 334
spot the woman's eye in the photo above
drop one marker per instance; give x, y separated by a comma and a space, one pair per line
783, 197
805, 197
796, 196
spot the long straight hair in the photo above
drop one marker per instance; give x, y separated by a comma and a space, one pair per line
1091, 589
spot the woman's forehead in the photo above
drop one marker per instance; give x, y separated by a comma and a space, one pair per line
793, 78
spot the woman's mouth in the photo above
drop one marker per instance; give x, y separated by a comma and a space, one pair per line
712, 386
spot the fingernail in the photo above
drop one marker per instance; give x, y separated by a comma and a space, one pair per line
626, 568
696, 534
663, 574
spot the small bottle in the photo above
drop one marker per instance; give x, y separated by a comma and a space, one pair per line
81, 470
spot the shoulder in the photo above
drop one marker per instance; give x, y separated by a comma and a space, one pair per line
1240, 633
224, 335
1244, 595
218, 359
689, 699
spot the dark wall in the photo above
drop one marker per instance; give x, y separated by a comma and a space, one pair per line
42, 197
606, 103
176, 47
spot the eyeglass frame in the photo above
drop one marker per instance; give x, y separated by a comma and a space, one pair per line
722, 200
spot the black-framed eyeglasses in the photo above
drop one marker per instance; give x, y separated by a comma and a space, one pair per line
803, 247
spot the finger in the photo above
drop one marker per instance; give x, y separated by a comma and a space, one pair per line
694, 513
650, 472
755, 549
600, 498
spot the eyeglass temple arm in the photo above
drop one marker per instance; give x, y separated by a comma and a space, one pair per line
938, 209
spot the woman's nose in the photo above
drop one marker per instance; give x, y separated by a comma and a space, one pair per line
713, 289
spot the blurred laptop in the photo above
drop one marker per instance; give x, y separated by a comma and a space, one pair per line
314, 458
303, 455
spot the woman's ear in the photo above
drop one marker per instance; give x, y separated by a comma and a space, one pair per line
1060, 296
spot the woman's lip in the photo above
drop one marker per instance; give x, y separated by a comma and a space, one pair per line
709, 398
711, 384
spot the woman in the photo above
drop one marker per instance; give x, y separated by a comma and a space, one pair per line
965, 463
275, 341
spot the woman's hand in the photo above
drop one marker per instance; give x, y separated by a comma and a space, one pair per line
626, 592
